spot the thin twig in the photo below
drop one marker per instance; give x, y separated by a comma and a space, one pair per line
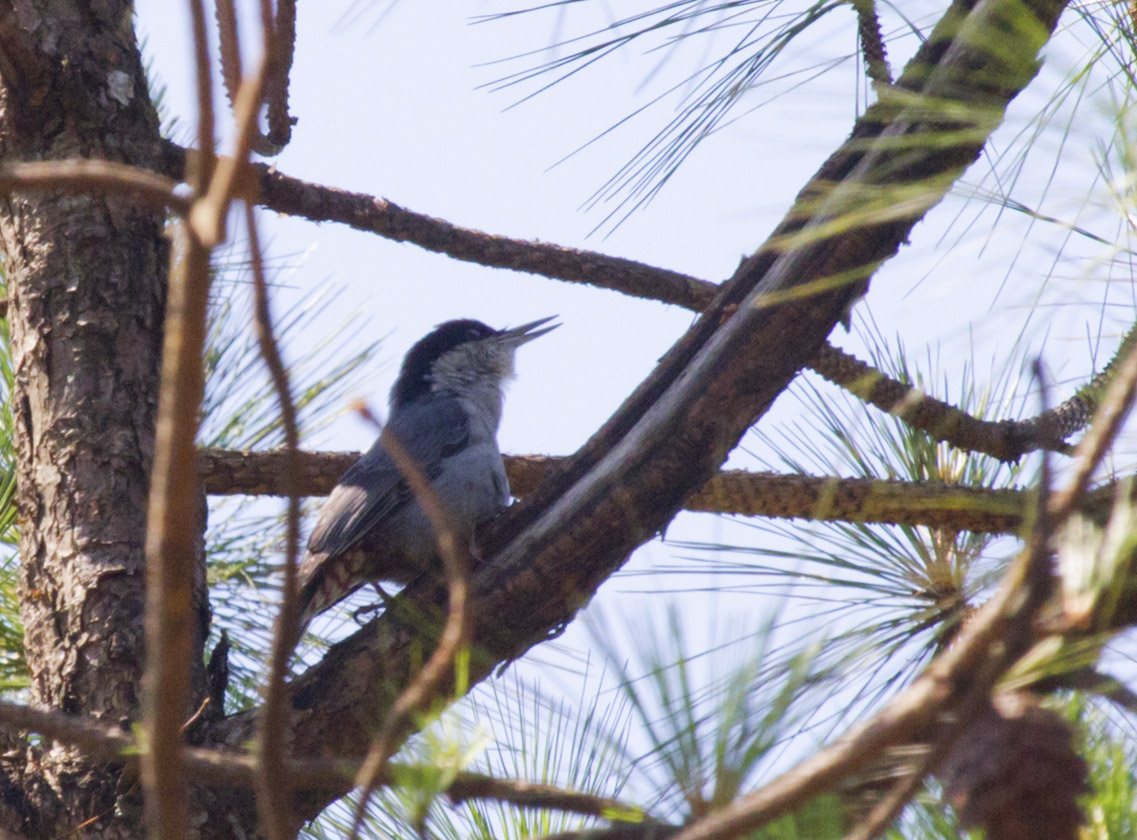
208, 215
106, 177
283, 49
172, 515
196, 716
275, 788
171, 535
427, 683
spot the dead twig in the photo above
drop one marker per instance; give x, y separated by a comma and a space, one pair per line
103, 176
424, 687
275, 788
172, 515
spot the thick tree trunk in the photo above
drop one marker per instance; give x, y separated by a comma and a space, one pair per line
86, 280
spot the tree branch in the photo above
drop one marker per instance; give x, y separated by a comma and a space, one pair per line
1006, 440
295, 197
826, 498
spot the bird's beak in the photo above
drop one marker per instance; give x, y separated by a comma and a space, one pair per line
527, 332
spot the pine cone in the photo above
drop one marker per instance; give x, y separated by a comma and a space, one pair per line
1015, 773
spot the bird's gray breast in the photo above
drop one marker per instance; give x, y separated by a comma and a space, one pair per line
452, 443
471, 486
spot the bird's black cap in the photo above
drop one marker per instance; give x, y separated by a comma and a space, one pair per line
414, 376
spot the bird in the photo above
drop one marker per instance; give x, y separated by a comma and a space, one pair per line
445, 409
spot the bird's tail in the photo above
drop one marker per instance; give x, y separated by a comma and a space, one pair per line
324, 582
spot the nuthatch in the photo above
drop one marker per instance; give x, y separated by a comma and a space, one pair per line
445, 411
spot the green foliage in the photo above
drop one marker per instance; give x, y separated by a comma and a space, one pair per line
660, 725
509, 730
709, 722
892, 595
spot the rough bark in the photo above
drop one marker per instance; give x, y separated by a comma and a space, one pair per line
86, 279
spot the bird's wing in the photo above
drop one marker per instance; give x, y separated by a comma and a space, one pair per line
374, 488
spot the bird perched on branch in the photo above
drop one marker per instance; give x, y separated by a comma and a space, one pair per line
445, 411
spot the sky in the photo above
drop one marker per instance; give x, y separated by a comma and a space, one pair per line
404, 101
